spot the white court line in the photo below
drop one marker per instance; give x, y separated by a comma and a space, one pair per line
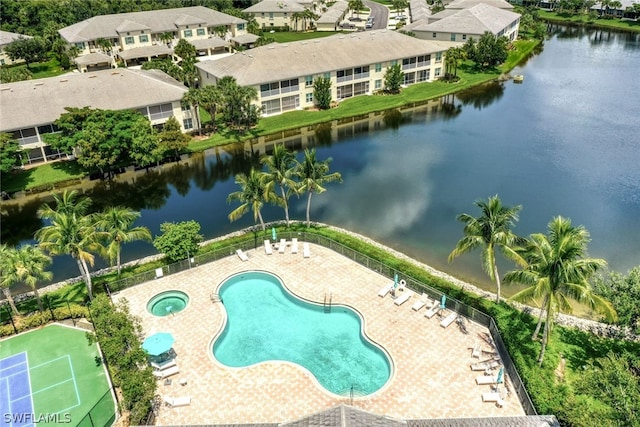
73, 378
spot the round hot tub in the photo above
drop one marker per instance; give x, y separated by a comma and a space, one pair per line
166, 303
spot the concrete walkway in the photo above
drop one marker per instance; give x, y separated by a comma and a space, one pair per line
431, 374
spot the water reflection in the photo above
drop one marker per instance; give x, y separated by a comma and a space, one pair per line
482, 96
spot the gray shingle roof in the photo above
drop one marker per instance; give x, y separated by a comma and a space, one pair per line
92, 58
526, 421
158, 21
266, 6
475, 20
211, 42
245, 38
36, 102
284, 61
345, 416
466, 4
334, 12
6, 37
145, 51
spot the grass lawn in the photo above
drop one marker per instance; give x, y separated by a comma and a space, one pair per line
583, 19
44, 177
294, 36
40, 70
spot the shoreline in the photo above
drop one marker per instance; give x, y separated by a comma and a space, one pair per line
600, 329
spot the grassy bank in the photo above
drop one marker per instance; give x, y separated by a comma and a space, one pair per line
49, 176
552, 392
589, 21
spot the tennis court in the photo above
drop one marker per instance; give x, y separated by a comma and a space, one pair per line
52, 376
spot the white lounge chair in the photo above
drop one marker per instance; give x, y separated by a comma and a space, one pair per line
476, 352
305, 250
267, 247
449, 319
385, 290
403, 298
294, 245
487, 379
242, 255
483, 366
166, 372
177, 401
283, 245
493, 397
435, 308
424, 299
165, 365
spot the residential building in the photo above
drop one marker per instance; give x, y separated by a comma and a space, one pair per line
332, 17
152, 34
283, 74
30, 108
5, 39
279, 14
459, 25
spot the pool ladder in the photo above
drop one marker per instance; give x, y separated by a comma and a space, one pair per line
327, 303
215, 298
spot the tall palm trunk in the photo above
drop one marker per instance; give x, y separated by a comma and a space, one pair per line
261, 220
7, 294
84, 271
286, 205
497, 276
545, 337
118, 259
542, 310
309, 209
35, 292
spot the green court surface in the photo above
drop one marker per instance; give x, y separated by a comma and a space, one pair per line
68, 386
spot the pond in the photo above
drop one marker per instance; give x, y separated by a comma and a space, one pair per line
564, 142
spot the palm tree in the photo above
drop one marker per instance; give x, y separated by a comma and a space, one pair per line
5, 255
28, 265
558, 272
279, 169
193, 99
490, 230
71, 231
295, 17
254, 192
211, 98
355, 6
313, 174
166, 37
117, 223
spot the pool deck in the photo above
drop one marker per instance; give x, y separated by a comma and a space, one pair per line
431, 365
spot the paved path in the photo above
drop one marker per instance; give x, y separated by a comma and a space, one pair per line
431, 375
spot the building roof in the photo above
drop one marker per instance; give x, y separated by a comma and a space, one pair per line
145, 52
42, 101
211, 42
93, 58
266, 6
334, 13
157, 21
345, 416
245, 38
6, 37
291, 60
475, 20
466, 4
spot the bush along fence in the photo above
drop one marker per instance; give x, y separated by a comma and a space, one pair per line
75, 311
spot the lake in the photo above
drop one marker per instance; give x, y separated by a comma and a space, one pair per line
564, 142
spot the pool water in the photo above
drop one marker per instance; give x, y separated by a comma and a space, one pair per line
265, 322
167, 303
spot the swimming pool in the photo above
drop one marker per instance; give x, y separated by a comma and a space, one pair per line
265, 323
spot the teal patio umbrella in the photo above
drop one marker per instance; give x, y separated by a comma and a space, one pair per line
395, 280
443, 302
274, 236
158, 343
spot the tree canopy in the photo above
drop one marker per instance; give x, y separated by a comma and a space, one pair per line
29, 49
178, 241
322, 92
9, 148
489, 51
393, 79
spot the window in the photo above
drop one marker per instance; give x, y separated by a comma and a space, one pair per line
129, 40
240, 27
361, 72
409, 78
437, 72
408, 63
453, 37
378, 84
80, 45
344, 75
185, 107
327, 75
439, 57
271, 107
270, 16
187, 124
434, 35
188, 33
1, 61
162, 111
378, 68
424, 60
26, 136
143, 38
423, 75
464, 37
269, 89
290, 102
360, 88
289, 86
201, 31
308, 81
309, 98
345, 91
